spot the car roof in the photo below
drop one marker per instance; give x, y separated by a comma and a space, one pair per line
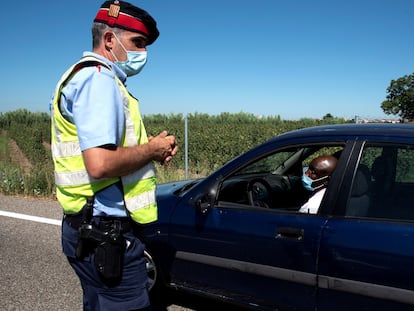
362, 130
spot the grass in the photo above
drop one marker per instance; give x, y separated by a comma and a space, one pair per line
4, 148
39, 182
11, 179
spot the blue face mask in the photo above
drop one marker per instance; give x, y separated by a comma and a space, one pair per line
307, 182
134, 64
136, 60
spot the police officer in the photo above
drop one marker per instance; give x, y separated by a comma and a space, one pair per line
103, 159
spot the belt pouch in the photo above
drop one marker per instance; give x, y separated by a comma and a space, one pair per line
109, 257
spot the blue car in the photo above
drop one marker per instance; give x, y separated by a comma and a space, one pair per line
238, 236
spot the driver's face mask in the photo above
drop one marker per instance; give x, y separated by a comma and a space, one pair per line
308, 182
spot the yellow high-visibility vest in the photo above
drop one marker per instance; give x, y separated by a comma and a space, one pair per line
73, 183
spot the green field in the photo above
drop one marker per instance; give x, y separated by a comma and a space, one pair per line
3, 148
212, 141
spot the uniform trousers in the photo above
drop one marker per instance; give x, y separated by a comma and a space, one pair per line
130, 294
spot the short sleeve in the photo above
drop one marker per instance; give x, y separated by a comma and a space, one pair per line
97, 107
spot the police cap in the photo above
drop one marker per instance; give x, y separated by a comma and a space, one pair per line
124, 15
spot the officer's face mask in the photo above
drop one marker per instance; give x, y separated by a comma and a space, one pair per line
136, 60
307, 182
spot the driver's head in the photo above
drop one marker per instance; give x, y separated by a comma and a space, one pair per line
319, 171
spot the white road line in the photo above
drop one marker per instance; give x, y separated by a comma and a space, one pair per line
32, 218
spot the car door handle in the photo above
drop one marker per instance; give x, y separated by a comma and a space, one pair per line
290, 233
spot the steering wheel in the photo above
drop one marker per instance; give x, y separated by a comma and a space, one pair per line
287, 182
259, 193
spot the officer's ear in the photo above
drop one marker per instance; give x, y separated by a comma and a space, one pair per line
109, 40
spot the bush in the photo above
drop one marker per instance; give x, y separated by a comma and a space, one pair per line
212, 141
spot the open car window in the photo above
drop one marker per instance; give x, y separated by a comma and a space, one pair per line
273, 181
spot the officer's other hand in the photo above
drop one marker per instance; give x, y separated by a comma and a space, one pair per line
164, 146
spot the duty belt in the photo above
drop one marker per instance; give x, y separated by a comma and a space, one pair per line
102, 223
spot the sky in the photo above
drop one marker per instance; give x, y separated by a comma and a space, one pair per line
292, 58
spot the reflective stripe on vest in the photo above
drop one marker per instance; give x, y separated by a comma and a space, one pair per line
74, 184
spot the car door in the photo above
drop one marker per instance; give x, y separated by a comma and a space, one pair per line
258, 256
367, 249
253, 254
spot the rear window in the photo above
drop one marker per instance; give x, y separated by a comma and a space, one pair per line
383, 185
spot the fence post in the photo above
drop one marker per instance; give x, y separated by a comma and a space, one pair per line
186, 146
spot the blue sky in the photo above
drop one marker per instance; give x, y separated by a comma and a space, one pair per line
292, 58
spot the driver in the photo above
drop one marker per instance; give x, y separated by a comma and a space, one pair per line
316, 179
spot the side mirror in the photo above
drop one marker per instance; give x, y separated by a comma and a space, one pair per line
203, 206
206, 201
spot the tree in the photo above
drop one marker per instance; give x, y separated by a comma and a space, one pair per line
400, 98
327, 117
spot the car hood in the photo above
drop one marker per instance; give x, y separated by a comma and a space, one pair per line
175, 188
169, 194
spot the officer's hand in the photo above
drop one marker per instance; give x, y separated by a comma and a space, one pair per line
164, 146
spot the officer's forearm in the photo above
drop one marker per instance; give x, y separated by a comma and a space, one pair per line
105, 163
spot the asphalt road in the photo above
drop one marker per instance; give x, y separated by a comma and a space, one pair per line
35, 274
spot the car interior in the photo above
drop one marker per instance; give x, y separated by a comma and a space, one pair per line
384, 183
273, 181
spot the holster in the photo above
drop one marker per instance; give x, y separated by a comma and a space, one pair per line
106, 241
109, 257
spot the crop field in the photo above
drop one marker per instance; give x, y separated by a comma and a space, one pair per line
26, 164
